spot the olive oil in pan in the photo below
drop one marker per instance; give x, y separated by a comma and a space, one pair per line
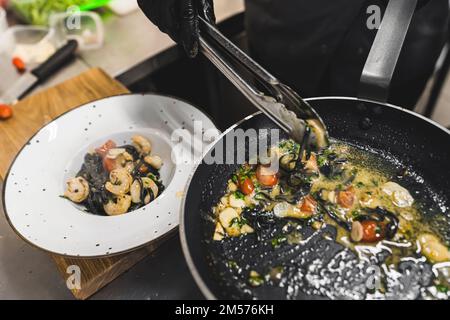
344, 223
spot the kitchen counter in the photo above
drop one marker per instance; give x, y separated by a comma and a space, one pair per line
28, 273
130, 41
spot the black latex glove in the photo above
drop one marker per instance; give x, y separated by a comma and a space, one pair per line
179, 19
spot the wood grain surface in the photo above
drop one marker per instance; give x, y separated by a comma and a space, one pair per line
30, 115
35, 111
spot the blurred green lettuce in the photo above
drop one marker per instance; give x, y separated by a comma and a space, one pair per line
37, 12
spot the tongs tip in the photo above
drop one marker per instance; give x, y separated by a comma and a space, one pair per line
280, 103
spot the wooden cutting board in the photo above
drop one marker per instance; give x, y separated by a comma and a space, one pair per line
30, 115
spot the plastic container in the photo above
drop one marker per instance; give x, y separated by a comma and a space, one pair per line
86, 28
38, 12
3, 21
32, 44
123, 7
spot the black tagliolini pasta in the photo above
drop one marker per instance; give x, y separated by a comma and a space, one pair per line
114, 180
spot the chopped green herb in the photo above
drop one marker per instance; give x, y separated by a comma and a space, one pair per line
234, 178
239, 195
239, 222
255, 279
234, 221
232, 264
441, 288
277, 241
355, 214
244, 172
378, 230
360, 184
289, 146
321, 161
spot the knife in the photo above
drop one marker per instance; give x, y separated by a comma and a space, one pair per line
30, 79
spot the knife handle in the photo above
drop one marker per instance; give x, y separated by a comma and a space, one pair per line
56, 61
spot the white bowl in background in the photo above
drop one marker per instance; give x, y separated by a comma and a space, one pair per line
36, 179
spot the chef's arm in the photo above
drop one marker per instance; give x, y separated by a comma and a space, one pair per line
179, 19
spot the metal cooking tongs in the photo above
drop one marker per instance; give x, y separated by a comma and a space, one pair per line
279, 102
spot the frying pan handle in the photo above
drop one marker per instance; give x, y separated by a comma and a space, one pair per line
383, 56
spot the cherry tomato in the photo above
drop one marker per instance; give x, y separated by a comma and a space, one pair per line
5, 112
308, 204
103, 150
246, 186
109, 164
367, 231
346, 198
266, 176
19, 64
143, 168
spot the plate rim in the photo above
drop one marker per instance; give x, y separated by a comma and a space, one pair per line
169, 234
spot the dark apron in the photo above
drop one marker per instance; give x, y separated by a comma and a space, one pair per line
319, 47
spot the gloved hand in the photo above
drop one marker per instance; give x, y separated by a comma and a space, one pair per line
179, 19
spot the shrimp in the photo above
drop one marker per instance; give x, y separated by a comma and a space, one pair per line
118, 158
399, 195
150, 184
125, 160
432, 248
155, 161
135, 191
120, 182
77, 189
142, 144
115, 152
311, 164
118, 206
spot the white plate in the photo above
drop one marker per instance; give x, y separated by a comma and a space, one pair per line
36, 179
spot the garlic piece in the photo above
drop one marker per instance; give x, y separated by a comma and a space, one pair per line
236, 202
227, 218
433, 249
219, 232
400, 196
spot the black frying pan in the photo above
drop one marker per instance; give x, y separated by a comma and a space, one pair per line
403, 139
395, 133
